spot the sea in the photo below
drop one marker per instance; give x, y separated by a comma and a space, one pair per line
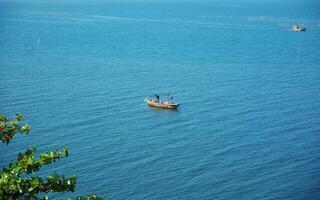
248, 125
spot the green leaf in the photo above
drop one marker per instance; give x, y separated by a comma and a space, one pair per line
18, 117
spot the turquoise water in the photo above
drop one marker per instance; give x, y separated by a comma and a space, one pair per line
249, 88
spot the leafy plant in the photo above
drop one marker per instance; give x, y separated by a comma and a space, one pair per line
9, 127
18, 180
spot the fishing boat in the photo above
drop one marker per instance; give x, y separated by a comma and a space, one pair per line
161, 104
297, 28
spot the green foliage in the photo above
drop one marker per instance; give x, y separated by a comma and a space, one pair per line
18, 180
9, 127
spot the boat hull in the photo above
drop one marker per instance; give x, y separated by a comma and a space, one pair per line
165, 105
299, 29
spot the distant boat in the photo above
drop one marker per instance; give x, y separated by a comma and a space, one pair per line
297, 28
161, 104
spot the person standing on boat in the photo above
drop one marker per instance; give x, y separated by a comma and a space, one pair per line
157, 96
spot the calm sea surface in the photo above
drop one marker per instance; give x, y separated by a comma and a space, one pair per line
249, 88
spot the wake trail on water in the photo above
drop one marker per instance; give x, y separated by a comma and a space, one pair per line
176, 21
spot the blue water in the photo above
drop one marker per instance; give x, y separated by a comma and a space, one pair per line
249, 122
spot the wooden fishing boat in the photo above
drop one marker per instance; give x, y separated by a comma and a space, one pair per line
161, 104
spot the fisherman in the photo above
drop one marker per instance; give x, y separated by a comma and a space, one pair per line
157, 96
